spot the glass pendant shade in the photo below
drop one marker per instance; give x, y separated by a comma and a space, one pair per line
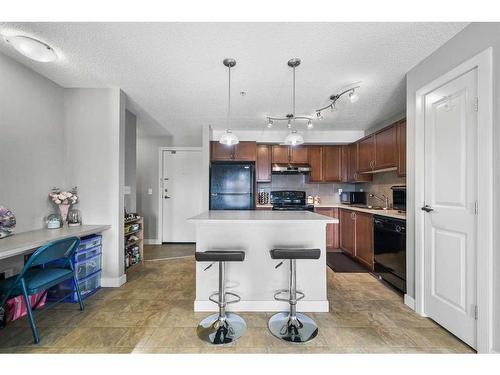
228, 138
32, 48
294, 139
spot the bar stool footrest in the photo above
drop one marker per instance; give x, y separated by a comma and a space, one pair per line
300, 295
216, 301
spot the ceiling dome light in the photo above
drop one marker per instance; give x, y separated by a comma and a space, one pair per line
310, 125
353, 97
32, 48
228, 138
294, 139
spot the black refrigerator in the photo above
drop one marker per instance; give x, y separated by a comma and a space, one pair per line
232, 186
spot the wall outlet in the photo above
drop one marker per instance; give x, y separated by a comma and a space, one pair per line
150, 191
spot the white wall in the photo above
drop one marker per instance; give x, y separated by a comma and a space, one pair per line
148, 178
472, 40
32, 149
131, 161
95, 124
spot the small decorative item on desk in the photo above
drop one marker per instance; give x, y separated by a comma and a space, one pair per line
54, 221
7, 222
64, 199
310, 199
74, 217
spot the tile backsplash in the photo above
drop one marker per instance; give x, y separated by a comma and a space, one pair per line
327, 192
381, 184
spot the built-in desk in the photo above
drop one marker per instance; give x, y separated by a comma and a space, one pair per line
26, 242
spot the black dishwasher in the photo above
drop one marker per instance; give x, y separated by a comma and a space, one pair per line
390, 250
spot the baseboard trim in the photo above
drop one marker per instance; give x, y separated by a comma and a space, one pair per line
152, 241
410, 302
263, 306
113, 282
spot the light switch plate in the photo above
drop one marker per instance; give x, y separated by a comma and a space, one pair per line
150, 191
127, 190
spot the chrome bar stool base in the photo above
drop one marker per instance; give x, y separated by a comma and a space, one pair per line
217, 331
299, 329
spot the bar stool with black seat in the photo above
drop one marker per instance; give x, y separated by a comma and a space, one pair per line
292, 326
223, 327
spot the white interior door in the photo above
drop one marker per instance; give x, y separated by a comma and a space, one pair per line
450, 193
181, 194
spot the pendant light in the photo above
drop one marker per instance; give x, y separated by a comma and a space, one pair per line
229, 138
294, 138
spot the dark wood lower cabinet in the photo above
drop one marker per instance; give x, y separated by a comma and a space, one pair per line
332, 230
356, 236
347, 231
364, 239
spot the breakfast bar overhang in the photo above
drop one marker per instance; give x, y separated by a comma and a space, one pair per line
257, 279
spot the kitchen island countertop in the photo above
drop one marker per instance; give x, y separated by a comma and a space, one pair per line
256, 216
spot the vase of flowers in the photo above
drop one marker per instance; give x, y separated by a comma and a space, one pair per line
64, 199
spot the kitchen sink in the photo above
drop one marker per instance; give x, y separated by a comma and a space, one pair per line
367, 207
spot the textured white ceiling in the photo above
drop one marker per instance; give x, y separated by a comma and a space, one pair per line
173, 72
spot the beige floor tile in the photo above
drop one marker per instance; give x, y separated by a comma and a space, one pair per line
153, 313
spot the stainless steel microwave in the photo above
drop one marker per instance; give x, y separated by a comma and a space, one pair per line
353, 197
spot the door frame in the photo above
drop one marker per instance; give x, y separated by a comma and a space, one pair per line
159, 225
484, 243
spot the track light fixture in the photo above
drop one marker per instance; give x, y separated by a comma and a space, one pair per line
353, 97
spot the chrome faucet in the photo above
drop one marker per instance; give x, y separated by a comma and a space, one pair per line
383, 198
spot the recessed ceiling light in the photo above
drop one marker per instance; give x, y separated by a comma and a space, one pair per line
32, 48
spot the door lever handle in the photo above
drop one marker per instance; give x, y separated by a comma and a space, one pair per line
427, 208
167, 197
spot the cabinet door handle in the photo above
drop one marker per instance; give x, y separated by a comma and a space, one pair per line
355, 176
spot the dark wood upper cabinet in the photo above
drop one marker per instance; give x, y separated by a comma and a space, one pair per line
298, 154
245, 151
263, 163
332, 163
280, 154
366, 154
386, 148
401, 132
352, 165
315, 160
220, 151
345, 163
364, 238
347, 231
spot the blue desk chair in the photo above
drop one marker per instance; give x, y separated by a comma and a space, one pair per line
40, 274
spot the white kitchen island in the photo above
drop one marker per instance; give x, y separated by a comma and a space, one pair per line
256, 279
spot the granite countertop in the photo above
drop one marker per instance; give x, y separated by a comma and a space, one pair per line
253, 216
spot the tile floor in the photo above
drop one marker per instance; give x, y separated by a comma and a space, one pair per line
166, 251
152, 313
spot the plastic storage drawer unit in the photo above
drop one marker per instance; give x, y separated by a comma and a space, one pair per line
89, 242
88, 286
88, 266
